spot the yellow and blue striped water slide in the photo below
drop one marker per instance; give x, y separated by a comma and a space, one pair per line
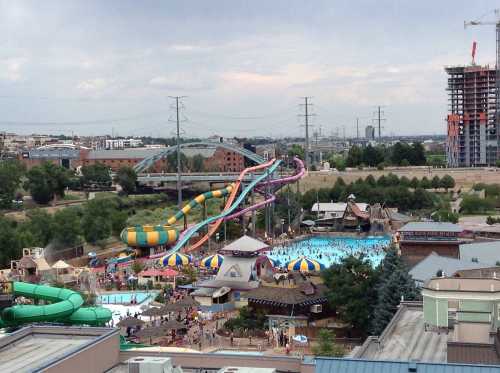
192, 230
155, 235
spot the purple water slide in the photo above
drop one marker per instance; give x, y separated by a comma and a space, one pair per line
288, 179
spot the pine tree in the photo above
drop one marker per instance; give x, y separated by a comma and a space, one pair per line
394, 283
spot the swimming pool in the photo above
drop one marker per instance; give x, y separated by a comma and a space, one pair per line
330, 250
125, 297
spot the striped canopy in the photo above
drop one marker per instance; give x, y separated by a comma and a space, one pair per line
304, 265
212, 261
175, 259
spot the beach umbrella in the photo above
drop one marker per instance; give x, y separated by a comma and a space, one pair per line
130, 321
212, 261
304, 265
172, 307
175, 259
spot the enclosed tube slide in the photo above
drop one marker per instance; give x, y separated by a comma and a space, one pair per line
149, 235
191, 231
65, 306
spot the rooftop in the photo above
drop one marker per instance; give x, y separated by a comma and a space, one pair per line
141, 153
429, 267
328, 365
36, 347
484, 252
463, 284
287, 296
425, 226
405, 338
245, 244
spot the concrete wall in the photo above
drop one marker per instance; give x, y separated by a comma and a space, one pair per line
472, 332
97, 358
213, 361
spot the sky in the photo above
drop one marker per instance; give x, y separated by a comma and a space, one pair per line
108, 67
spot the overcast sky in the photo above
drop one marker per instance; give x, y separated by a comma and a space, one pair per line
94, 67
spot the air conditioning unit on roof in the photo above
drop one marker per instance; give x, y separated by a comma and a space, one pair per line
150, 364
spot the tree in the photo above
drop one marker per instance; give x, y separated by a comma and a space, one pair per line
10, 248
394, 283
326, 345
126, 177
351, 290
46, 181
447, 182
10, 179
136, 267
354, 156
197, 163
445, 215
472, 204
40, 225
425, 183
296, 151
67, 229
97, 220
417, 154
97, 173
414, 183
436, 182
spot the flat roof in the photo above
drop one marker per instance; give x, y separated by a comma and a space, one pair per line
464, 284
34, 347
405, 338
327, 365
429, 226
484, 252
140, 153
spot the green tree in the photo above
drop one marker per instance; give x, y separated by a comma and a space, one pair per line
97, 220
96, 173
425, 183
41, 225
10, 247
296, 150
447, 182
67, 228
354, 156
445, 215
472, 204
414, 183
197, 163
436, 182
137, 267
393, 284
10, 179
326, 345
126, 177
46, 181
118, 222
417, 154
351, 290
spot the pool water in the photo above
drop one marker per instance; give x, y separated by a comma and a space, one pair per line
124, 297
330, 250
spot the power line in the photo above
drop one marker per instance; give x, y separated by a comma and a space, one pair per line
306, 116
379, 113
179, 170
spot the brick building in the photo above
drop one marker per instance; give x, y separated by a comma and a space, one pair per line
417, 240
215, 159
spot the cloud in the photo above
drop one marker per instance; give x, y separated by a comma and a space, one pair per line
183, 81
11, 68
93, 85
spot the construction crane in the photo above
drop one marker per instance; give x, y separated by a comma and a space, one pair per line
480, 22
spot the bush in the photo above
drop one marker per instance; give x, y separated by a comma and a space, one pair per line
380, 166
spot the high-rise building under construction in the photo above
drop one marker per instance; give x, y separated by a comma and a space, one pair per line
473, 131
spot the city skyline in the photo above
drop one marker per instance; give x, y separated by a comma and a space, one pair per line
95, 67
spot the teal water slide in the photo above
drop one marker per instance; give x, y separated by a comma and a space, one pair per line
64, 305
189, 233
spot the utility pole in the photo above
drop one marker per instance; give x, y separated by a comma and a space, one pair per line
379, 113
179, 167
306, 116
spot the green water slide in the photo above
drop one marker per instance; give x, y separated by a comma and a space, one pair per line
64, 305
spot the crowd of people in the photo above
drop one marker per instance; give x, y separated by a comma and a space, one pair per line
329, 250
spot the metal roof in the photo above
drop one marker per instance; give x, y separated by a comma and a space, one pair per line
428, 268
484, 252
429, 226
336, 365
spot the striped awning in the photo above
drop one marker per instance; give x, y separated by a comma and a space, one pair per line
175, 259
305, 265
212, 261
